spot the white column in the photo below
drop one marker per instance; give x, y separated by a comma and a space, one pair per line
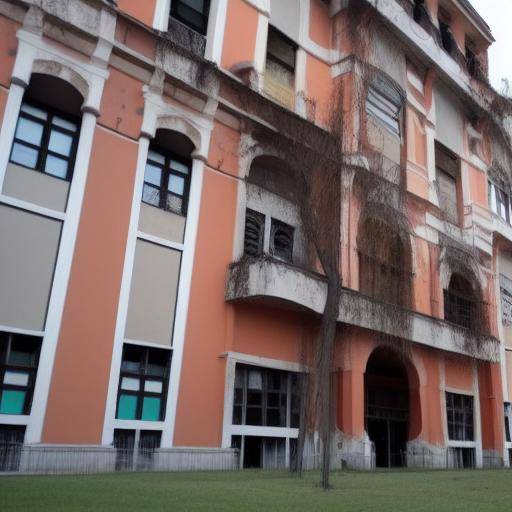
161, 17
12, 110
182, 302
215, 32
479, 461
124, 295
61, 276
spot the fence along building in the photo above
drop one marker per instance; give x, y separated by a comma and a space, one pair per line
156, 284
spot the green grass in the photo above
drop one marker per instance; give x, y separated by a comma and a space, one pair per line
416, 491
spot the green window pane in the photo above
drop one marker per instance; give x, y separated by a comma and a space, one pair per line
12, 402
151, 408
127, 407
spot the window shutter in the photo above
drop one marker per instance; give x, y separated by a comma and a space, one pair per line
254, 233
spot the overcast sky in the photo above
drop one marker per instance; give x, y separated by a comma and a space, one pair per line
498, 15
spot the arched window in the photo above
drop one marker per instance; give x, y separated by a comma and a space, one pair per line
48, 127
384, 263
460, 305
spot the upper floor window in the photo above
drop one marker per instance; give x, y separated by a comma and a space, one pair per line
447, 39
420, 12
193, 13
459, 303
447, 176
265, 397
45, 140
19, 357
280, 243
499, 201
279, 80
459, 412
167, 181
143, 383
384, 103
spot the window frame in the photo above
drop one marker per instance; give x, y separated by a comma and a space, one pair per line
205, 14
454, 300
166, 173
386, 97
142, 376
467, 413
6, 343
276, 225
48, 127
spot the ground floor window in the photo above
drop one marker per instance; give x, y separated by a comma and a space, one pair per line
11, 444
461, 458
143, 383
135, 449
265, 452
459, 412
508, 421
19, 358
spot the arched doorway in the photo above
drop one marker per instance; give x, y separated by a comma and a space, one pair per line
387, 407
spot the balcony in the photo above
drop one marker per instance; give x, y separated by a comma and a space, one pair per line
274, 282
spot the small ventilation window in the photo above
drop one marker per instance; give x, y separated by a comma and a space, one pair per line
281, 240
254, 233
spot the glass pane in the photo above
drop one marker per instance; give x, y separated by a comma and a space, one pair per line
29, 131
34, 111
153, 386
130, 366
63, 123
60, 143
127, 407
130, 384
153, 175
176, 184
24, 156
198, 5
179, 166
175, 203
21, 358
151, 408
255, 380
16, 378
151, 195
12, 402
56, 166
156, 157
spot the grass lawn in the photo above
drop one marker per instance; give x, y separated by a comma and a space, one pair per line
416, 491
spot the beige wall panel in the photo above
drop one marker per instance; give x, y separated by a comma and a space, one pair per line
153, 293
28, 250
285, 16
158, 222
385, 142
449, 120
36, 187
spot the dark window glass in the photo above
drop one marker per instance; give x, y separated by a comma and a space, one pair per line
193, 13
124, 443
143, 383
45, 141
167, 182
447, 172
459, 303
11, 444
508, 422
459, 413
19, 357
265, 397
149, 442
254, 233
281, 240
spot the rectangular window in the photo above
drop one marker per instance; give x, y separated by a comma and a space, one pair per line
508, 422
167, 182
279, 80
459, 412
254, 233
143, 383
265, 397
499, 201
384, 104
445, 30
11, 444
447, 173
19, 357
45, 141
461, 458
124, 442
192, 13
281, 240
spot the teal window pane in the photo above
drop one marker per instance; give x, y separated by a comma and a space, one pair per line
127, 407
151, 408
12, 402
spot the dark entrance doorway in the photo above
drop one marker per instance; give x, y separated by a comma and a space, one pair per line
387, 407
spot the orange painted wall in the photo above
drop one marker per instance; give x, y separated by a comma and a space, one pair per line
8, 45
491, 406
224, 149
143, 11
240, 34
3, 101
135, 37
76, 403
122, 104
320, 28
201, 394
319, 87
458, 373
478, 186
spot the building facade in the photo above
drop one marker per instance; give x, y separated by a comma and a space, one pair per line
158, 285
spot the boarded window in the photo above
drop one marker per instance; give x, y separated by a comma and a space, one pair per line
281, 240
447, 172
384, 104
254, 233
280, 68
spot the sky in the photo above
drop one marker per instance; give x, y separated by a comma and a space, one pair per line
498, 15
